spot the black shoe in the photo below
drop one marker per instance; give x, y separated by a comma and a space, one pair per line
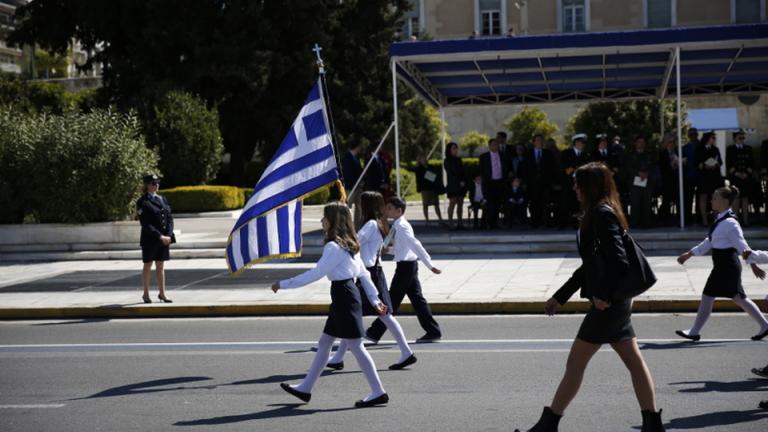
381, 400
760, 336
146, 299
763, 404
761, 372
652, 421
428, 338
164, 299
547, 422
403, 364
367, 336
684, 335
335, 366
301, 395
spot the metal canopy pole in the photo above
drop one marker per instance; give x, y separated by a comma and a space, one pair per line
442, 144
681, 208
397, 134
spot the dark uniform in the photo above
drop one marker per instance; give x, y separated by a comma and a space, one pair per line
569, 206
156, 221
739, 159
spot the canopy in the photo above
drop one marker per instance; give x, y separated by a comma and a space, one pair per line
584, 66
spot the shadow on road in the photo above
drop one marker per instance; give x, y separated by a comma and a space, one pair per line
273, 379
685, 345
281, 410
750, 385
723, 418
154, 386
81, 321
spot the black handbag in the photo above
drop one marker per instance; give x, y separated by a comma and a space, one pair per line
639, 276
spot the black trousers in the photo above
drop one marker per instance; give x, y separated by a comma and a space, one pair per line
539, 200
406, 282
495, 198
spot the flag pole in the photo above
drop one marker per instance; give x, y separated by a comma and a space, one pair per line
327, 100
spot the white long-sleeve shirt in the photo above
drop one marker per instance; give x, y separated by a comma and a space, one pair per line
370, 242
336, 264
726, 235
407, 247
758, 257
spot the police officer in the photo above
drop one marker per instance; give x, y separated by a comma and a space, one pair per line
156, 234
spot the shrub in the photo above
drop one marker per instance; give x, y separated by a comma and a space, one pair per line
471, 141
528, 122
71, 168
196, 199
186, 134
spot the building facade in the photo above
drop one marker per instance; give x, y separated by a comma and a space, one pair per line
456, 19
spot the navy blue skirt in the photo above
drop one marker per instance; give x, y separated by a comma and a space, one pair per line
345, 316
380, 282
725, 278
155, 252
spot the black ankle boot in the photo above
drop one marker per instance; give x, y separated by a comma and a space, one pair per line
547, 423
652, 422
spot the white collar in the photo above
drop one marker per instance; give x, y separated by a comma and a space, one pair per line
720, 215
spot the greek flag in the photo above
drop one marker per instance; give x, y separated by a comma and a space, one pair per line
270, 225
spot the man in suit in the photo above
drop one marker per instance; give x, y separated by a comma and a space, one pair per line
352, 169
538, 172
570, 160
375, 178
493, 169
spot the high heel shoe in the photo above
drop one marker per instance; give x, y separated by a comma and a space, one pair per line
547, 422
164, 299
146, 298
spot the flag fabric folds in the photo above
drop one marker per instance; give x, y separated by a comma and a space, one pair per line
270, 224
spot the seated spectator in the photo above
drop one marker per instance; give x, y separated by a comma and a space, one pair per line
515, 204
477, 203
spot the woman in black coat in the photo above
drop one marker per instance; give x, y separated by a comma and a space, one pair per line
456, 188
600, 232
156, 235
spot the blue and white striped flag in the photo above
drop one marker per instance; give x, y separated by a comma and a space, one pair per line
270, 225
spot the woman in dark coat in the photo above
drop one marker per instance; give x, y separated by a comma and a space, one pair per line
156, 235
608, 321
709, 161
456, 187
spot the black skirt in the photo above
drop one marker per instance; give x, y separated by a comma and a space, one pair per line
725, 278
155, 252
380, 282
345, 317
608, 326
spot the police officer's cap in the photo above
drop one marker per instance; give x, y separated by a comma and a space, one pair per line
578, 137
149, 178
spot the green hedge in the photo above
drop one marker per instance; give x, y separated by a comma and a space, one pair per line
70, 168
196, 199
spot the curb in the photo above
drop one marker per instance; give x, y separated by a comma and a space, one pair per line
464, 308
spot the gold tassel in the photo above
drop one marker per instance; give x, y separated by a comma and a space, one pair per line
342, 192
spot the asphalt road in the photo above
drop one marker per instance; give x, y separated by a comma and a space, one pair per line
490, 373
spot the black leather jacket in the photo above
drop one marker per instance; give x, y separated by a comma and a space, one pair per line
605, 225
156, 219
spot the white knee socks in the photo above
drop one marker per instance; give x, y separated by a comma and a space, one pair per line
705, 310
751, 308
365, 362
397, 332
318, 363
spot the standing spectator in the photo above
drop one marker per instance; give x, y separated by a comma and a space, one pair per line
156, 235
456, 187
570, 160
538, 171
670, 179
517, 161
553, 206
602, 152
709, 161
477, 203
493, 169
739, 160
515, 204
430, 185
352, 169
619, 153
690, 174
504, 150
639, 169
375, 179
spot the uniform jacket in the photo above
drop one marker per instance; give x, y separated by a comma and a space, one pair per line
155, 218
538, 176
568, 159
606, 229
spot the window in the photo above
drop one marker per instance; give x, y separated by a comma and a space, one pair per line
746, 11
490, 17
574, 16
659, 13
413, 20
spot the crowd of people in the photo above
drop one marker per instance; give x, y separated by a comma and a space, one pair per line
533, 185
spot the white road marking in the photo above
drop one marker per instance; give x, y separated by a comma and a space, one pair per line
32, 406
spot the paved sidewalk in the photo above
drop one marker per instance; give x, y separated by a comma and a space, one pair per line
200, 287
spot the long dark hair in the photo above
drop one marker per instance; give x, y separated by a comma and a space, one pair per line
596, 185
341, 230
448, 149
372, 208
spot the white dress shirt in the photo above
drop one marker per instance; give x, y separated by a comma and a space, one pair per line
407, 246
370, 242
726, 235
336, 264
479, 198
758, 257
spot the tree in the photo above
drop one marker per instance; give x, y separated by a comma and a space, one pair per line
251, 59
528, 122
473, 140
420, 127
627, 119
